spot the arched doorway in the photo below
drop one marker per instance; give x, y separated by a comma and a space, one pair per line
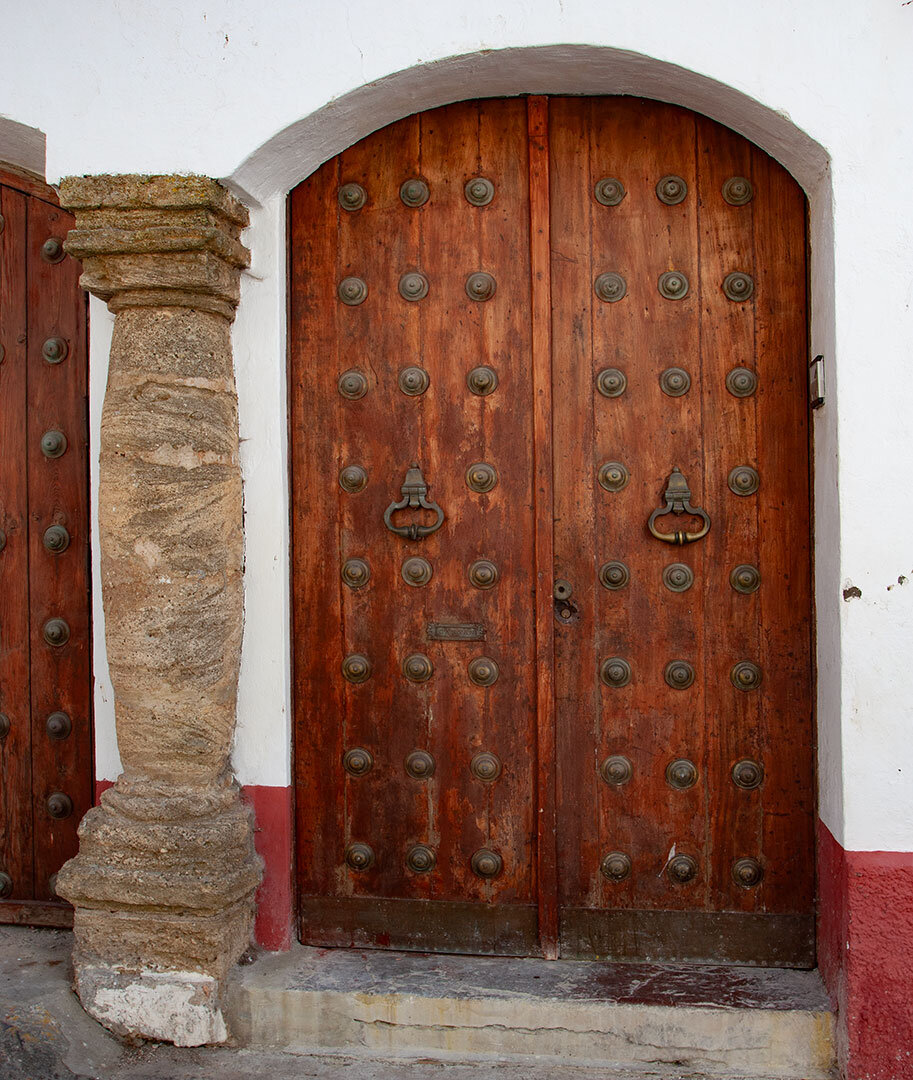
544, 726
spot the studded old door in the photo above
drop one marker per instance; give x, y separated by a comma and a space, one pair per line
532, 715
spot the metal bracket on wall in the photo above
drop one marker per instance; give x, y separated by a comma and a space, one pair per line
816, 382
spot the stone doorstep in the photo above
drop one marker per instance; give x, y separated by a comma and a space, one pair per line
720, 1021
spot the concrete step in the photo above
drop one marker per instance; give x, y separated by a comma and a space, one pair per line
717, 1021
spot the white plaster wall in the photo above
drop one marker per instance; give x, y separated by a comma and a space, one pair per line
260, 94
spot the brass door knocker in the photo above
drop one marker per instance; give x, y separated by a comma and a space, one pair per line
678, 501
415, 492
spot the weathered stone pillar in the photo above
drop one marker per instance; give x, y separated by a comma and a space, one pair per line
164, 881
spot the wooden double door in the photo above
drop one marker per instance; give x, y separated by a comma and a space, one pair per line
532, 716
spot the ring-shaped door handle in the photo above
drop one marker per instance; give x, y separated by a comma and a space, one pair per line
415, 495
678, 501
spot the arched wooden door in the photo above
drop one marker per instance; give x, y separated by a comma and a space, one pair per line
534, 724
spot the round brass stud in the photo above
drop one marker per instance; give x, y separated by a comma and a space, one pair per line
679, 674
358, 761
483, 574
359, 856
485, 766
486, 864
420, 859
610, 287
481, 477
482, 381
614, 575
53, 444
356, 668
52, 250
419, 764
56, 539
678, 577
480, 286
671, 190
352, 385
681, 869
58, 725
6, 884
413, 381
352, 291
610, 382
59, 805
748, 774
356, 573
738, 286
737, 191
616, 866
681, 774
413, 286
414, 192
612, 476
483, 671
54, 350
609, 191
741, 382
744, 480
56, 632
352, 197
353, 478
615, 671
673, 285
416, 571
616, 770
746, 675
675, 382
4, 725
745, 578
418, 668
479, 191
747, 873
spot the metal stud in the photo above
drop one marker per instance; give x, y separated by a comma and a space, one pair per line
480, 286
416, 571
359, 856
616, 866
58, 725
744, 480
54, 350
59, 805
481, 477
413, 381
741, 382
609, 191
748, 774
486, 864
675, 382
671, 190
419, 764
746, 675
747, 873
479, 191
616, 770
482, 381
610, 287
485, 766
6, 885
679, 674
681, 869
53, 444
4, 725
56, 539
681, 774
745, 578
678, 577
353, 478
737, 191
414, 192
610, 382
614, 575
673, 285
418, 668
352, 197
413, 286
356, 668
738, 286
358, 761
352, 291
352, 385
612, 476
562, 589
56, 632
615, 671
483, 671
356, 573
483, 574
420, 859
52, 250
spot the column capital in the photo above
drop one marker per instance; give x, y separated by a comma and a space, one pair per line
157, 241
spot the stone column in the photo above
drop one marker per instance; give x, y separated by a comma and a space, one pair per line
164, 881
